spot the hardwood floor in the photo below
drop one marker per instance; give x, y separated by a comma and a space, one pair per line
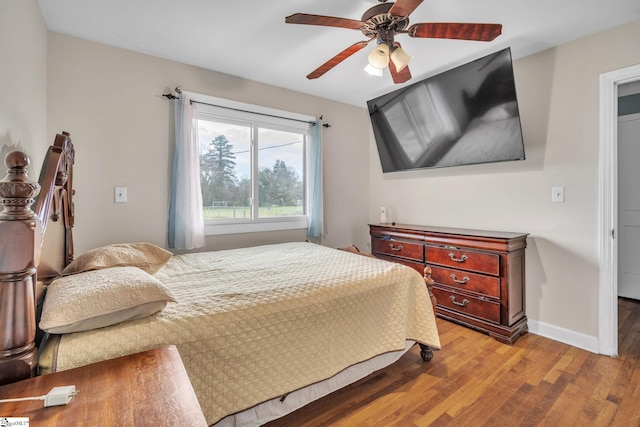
477, 381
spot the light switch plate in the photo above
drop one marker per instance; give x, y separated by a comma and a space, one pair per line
557, 194
121, 195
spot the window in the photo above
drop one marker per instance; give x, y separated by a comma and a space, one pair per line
252, 169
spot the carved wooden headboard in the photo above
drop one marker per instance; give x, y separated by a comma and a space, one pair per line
28, 261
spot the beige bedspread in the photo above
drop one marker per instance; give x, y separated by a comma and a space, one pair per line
254, 324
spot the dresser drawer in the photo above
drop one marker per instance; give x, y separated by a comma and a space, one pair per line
487, 285
413, 251
466, 260
472, 306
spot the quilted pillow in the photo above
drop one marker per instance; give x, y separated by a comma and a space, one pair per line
145, 256
99, 298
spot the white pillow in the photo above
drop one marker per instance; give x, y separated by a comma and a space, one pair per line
146, 256
99, 298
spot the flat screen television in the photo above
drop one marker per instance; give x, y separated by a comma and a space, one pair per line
466, 115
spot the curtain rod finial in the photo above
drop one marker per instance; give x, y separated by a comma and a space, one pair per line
172, 96
325, 125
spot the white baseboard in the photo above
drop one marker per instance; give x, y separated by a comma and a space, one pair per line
576, 339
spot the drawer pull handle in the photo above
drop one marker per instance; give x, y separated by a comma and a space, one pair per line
464, 280
463, 258
393, 248
461, 304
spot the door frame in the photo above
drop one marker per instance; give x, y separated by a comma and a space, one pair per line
608, 191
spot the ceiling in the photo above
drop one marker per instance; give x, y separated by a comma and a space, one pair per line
249, 38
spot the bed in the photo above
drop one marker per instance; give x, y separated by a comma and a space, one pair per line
261, 331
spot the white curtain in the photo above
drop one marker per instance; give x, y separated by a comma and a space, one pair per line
186, 224
316, 191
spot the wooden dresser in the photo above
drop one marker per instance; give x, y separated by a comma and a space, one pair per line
479, 275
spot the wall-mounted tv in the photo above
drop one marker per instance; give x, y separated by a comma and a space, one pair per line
466, 115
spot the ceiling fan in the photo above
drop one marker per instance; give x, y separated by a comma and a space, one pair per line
381, 23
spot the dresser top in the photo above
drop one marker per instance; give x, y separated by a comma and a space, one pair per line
453, 231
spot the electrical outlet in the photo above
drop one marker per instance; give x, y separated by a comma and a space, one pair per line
557, 194
121, 195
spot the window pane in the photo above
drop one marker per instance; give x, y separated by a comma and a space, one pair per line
225, 170
280, 173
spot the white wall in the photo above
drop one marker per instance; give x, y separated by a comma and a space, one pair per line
23, 71
559, 104
110, 101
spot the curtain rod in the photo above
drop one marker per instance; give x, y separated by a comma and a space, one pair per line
179, 91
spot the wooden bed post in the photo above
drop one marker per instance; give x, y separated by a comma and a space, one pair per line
426, 352
20, 240
21, 236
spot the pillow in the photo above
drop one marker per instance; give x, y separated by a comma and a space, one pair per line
146, 256
99, 298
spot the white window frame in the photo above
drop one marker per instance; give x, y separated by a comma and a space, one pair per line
234, 110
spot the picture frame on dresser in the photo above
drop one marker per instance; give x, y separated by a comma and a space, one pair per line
478, 276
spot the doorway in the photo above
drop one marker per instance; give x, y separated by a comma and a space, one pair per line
628, 200
608, 292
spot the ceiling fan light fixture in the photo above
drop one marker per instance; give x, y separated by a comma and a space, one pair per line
379, 57
400, 58
373, 70
383, 23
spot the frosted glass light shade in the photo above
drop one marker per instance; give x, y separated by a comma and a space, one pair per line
400, 58
379, 57
373, 70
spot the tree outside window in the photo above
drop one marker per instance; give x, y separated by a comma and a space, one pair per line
251, 172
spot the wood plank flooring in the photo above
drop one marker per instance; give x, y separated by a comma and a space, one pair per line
477, 381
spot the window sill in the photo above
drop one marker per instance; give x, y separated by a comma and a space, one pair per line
255, 227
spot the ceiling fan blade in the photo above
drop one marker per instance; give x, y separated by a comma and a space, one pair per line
337, 59
328, 21
454, 30
404, 7
399, 76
